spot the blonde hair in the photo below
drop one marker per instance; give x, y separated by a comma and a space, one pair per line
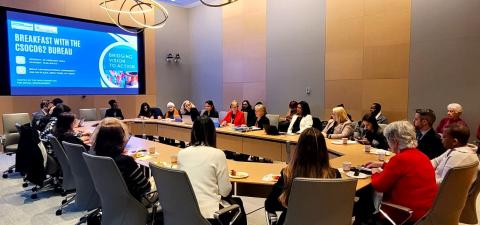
341, 114
262, 108
455, 107
234, 104
183, 107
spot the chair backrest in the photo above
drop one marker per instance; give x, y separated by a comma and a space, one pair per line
307, 193
469, 212
86, 197
10, 131
88, 114
103, 111
317, 123
68, 182
221, 115
273, 119
119, 207
176, 196
451, 196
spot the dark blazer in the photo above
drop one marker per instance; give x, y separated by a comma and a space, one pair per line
251, 118
114, 113
262, 121
212, 114
193, 114
431, 144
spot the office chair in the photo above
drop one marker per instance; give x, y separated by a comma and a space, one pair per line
88, 114
11, 135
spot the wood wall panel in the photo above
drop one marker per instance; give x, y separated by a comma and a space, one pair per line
367, 56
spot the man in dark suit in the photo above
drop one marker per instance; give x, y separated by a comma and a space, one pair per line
114, 111
429, 142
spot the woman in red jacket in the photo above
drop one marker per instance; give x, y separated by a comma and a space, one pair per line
234, 116
408, 179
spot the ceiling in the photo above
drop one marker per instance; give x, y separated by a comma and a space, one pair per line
182, 3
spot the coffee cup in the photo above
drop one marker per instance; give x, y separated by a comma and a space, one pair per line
346, 166
173, 159
367, 148
345, 141
381, 156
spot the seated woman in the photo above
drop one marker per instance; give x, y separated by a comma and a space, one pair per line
292, 110
340, 126
210, 109
172, 111
251, 118
114, 110
207, 170
188, 108
63, 130
145, 111
301, 120
408, 179
373, 133
260, 113
309, 160
234, 116
109, 139
52, 119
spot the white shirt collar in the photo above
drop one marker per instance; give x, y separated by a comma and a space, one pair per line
378, 115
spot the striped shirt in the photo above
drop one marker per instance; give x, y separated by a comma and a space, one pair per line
137, 182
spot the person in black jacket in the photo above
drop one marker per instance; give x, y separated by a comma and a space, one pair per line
260, 114
114, 111
251, 118
63, 130
309, 160
429, 142
109, 139
210, 109
145, 111
373, 134
188, 108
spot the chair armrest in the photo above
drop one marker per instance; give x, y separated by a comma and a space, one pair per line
231, 208
272, 218
150, 200
395, 214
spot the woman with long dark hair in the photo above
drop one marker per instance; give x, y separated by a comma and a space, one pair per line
302, 119
145, 111
251, 118
207, 170
309, 160
373, 133
63, 130
210, 110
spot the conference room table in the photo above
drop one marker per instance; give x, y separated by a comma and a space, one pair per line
256, 184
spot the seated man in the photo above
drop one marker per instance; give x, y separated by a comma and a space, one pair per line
459, 153
114, 111
453, 116
376, 110
429, 142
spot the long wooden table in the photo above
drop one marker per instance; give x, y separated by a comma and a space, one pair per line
353, 153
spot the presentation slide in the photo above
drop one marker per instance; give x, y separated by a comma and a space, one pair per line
54, 56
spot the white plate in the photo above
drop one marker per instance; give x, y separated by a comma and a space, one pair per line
239, 175
377, 151
360, 175
271, 177
340, 142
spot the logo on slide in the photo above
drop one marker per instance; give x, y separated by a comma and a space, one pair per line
118, 64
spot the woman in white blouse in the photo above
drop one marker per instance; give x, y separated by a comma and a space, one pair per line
302, 120
206, 167
340, 126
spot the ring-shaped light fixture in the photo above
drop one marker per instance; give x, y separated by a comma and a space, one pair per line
218, 5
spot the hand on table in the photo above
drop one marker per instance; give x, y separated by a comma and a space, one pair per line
374, 164
377, 170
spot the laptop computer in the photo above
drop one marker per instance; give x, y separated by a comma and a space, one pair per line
187, 119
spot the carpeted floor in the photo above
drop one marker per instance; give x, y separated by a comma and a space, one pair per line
17, 208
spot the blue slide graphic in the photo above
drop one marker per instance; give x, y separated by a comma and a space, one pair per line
54, 56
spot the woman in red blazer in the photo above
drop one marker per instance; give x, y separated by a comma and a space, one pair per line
234, 116
408, 179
